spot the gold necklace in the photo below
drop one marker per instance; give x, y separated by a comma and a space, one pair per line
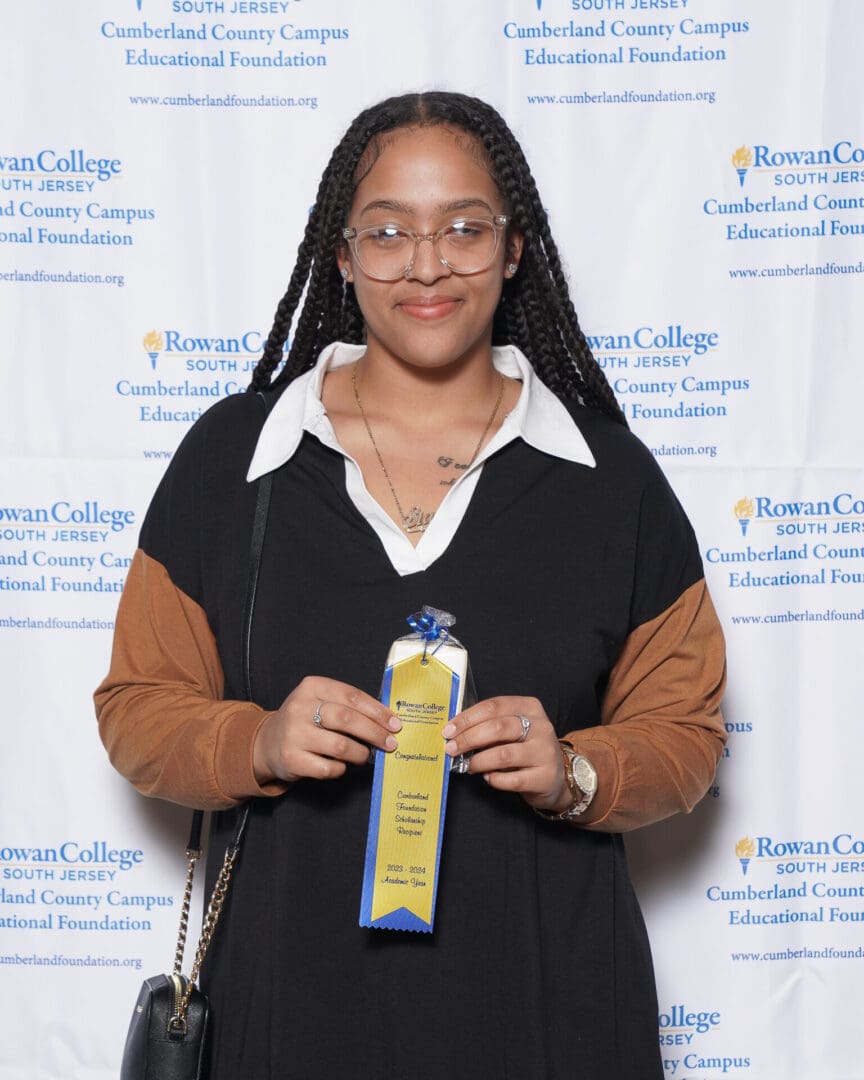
416, 520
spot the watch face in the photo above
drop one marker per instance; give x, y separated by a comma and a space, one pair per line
584, 775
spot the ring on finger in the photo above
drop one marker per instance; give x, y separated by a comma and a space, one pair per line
526, 727
316, 718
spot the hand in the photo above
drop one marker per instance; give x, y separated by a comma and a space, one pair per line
508, 759
291, 745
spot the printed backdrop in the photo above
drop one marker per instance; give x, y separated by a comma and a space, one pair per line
703, 165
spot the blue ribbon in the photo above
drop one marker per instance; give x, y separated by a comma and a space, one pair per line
427, 626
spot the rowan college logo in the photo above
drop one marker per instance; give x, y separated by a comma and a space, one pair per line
745, 849
743, 510
153, 343
742, 160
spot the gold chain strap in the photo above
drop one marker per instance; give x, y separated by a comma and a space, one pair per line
177, 1023
193, 857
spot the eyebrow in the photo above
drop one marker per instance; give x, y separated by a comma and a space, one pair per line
399, 207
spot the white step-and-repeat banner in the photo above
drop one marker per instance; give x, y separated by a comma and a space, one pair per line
703, 165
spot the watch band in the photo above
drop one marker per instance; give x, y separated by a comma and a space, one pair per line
581, 779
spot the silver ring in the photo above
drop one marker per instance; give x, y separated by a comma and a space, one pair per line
526, 727
316, 719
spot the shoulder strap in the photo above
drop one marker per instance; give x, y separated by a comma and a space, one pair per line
259, 528
193, 848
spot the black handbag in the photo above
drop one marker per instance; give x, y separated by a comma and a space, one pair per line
167, 1038
153, 1047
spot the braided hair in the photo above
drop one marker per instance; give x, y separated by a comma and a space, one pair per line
536, 313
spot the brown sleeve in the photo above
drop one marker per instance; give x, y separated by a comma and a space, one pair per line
661, 733
159, 708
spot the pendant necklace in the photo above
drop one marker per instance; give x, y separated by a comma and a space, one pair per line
416, 520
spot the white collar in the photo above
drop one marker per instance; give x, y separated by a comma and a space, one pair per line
538, 417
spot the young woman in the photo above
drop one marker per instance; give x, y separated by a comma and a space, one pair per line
439, 433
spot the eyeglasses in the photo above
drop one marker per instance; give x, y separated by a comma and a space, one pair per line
388, 252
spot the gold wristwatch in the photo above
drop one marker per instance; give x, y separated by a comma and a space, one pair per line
581, 778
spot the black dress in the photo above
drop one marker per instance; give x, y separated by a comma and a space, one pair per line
539, 966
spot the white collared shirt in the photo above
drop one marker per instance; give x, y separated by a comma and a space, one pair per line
538, 418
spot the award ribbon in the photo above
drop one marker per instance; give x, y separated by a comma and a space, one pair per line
423, 686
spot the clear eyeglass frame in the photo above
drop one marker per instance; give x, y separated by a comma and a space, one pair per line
354, 235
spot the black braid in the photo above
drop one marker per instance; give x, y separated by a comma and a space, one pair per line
536, 313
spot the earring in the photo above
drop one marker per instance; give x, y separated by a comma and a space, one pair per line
512, 268
345, 273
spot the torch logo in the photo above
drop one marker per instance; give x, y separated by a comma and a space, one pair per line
743, 510
153, 343
742, 159
745, 849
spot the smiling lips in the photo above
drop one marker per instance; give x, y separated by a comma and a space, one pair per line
427, 308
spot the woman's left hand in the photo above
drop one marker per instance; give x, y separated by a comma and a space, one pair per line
514, 747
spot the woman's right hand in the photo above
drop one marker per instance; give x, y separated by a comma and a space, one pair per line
291, 743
